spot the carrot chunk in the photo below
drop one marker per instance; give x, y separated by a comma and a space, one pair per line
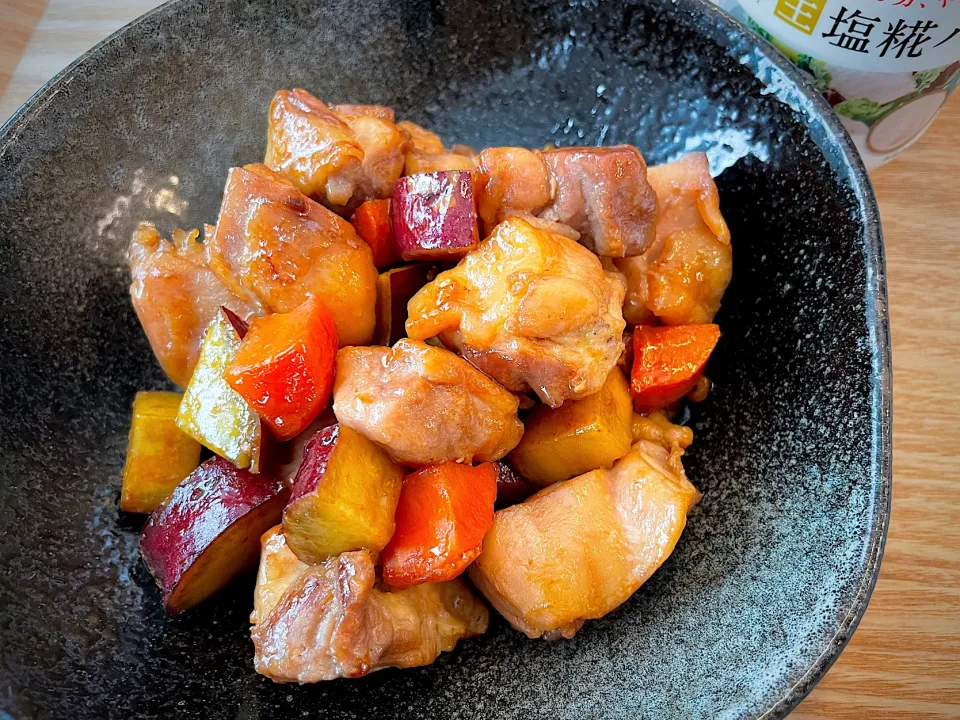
443, 514
374, 226
667, 362
284, 367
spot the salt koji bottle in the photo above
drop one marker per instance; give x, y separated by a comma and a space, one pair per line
886, 66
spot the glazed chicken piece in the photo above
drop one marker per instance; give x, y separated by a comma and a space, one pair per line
384, 148
427, 153
531, 309
320, 622
636, 273
421, 138
339, 158
512, 181
375, 111
313, 146
578, 549
681, 279
275, 247
420, 161
424, 405
603, 194
176, 296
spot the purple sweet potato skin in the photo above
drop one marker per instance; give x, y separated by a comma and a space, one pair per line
434, 215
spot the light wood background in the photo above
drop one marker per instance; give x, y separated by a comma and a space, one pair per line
904, 661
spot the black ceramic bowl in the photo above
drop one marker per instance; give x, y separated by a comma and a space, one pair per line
792, 449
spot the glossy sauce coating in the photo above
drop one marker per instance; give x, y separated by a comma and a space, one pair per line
578, 549
320, 622
176, 295
341, 155
682, 276
531, 309
424, 405
276, 247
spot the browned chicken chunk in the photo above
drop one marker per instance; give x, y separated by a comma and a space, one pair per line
320, 622
421, 161
338, 158
276, 247
384, 148
427, 153
376, 111
176, 296
681, 279
578, 549
603, 194
531, 309
421, 138
512, 181
424, 405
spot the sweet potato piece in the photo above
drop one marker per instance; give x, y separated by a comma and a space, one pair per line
443, 514
577, 437
344, 497
668, 362
434, 215
274, 245
284, 367
208, 531
159, 455
394, 290
212, 412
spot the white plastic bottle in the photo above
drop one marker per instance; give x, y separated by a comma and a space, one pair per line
886, 66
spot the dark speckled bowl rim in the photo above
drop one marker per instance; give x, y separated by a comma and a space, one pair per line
881, 398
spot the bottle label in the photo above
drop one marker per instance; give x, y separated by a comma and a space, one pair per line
870, 35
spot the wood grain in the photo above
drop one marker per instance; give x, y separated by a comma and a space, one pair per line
904, 661
67, 29
18, 18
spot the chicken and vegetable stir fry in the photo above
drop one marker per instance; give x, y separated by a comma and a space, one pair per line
422, 376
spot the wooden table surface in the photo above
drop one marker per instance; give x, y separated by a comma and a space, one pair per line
904, 661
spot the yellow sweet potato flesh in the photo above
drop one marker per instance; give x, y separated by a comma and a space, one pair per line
214, 413
159, 455
577, 437
347, 504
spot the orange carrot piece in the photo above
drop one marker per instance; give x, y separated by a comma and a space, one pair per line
443, 514
372, 223
284, 367
667, 362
